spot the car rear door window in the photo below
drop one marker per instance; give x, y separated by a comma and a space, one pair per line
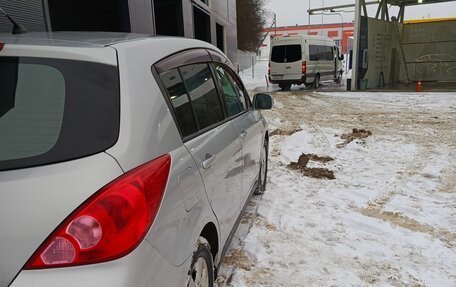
203, 93
286, 53
278, 54
294, 53
54, 110
180, 101
231, 93
31, 109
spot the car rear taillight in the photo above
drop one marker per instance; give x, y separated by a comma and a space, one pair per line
1, 46
304, 68
111, 223
269, 69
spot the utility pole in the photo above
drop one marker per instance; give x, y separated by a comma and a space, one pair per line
308, 23
321, 27
355, 60
275, 24
341, 25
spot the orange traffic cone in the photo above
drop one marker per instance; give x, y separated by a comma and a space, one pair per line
418, 86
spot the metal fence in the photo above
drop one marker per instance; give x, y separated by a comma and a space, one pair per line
246, 60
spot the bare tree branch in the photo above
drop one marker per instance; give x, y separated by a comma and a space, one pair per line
250, 21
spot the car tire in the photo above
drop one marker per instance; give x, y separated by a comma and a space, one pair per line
201, 273
286, 87
339, 78
316, 83
262, 176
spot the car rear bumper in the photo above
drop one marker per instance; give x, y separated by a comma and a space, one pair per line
300, 81
143, 267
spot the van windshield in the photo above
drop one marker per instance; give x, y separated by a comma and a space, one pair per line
286, 54
53, 110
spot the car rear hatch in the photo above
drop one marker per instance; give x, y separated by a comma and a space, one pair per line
286, 61
59, 112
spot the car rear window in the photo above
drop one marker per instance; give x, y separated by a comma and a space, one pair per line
52, 110
286, 53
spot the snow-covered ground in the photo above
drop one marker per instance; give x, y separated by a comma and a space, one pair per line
387, 219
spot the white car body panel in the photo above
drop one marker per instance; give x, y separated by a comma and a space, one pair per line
196, 198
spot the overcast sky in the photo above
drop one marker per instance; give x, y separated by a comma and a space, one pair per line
292, 12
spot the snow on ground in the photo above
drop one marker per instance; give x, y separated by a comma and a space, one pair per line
387, 219
259, 77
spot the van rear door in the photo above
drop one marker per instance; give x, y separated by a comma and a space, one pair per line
286, 62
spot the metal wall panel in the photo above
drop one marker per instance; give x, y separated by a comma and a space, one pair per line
430, 50
29, 13
141, 16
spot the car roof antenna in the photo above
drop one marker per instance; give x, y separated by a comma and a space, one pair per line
17, 28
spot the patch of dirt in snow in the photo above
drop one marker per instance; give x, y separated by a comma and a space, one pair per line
279, 132
403, 221
355, 134
238, 258
449, 181
314, 172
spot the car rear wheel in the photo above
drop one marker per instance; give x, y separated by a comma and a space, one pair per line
201, 273
316, 82
339, 78
261, 186
285, 87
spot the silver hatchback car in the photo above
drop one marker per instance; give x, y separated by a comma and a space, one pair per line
125, 160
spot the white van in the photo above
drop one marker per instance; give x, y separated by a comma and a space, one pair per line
302, 59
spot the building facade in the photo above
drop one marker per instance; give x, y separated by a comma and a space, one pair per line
339, 32
212, 21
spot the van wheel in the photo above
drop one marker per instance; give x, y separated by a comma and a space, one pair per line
201, 273
285, 87
339, 78
316, 82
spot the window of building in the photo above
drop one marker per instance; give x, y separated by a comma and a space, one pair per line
201, 88
180, 101
202, 25
220, 37
168, 17
234, 98
89, 15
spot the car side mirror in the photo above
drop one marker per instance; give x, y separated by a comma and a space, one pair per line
341, 58
262, 102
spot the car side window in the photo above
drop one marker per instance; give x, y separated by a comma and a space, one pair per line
241, 89
231, 92
203, 94
180, 101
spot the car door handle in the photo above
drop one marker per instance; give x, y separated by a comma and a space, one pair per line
243, 135
209, 161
